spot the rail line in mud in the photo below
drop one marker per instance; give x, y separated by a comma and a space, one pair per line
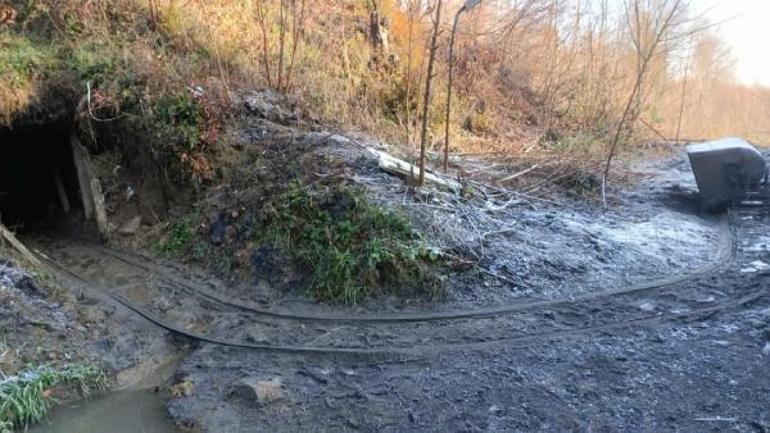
534, 322
725, 255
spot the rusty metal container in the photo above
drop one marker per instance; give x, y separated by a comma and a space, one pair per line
726, 170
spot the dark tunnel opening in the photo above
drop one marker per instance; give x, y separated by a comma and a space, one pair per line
38, 178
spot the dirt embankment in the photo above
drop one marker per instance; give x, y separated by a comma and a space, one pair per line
555, 316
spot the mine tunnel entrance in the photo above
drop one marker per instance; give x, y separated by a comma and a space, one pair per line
38, 178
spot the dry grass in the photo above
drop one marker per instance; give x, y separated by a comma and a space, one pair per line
517, 82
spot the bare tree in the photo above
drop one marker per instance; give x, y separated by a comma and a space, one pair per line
651, 25
291, 19
152, 5
427, 96
261, 20
685, 75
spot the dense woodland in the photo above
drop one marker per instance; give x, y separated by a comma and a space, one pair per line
557, 75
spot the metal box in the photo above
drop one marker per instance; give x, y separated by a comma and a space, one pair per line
726, 171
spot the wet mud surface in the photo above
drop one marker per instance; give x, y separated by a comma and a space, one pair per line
690, 354
689, 373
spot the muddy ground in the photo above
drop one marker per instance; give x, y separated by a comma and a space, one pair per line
689, 357
575, 340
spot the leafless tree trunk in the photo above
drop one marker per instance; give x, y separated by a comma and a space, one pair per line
647, 34
260, 12
426, 98
298, 22
413, 11
281, 40
684, 94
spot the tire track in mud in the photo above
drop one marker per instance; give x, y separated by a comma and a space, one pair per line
232, 324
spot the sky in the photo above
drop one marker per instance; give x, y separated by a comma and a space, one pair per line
747, 33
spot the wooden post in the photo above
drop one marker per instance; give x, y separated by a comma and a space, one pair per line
100, 211
60, 189
90, 189
81, 165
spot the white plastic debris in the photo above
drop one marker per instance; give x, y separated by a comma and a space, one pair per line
130, 193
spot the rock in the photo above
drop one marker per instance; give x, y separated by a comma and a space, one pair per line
131, 227
183, 389
259, 391
162, 303
265, 104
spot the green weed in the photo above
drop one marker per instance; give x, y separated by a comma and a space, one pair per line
21, 59
24, 399
350, 245
96, 63
179, 237
181, 113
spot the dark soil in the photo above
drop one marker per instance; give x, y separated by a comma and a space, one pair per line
691, 356
698, 373
572, 352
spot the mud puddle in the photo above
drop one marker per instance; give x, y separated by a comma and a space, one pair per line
119, 412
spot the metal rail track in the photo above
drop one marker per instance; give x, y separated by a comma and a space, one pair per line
517, 342
726, 255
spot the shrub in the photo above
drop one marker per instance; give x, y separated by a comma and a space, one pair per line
189, 124
350, 245
479, 122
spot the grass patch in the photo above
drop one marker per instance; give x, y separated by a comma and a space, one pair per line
21, 59
25, 399
22, 62
178, 238
350, 245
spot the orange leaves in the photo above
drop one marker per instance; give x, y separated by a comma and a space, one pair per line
198, 164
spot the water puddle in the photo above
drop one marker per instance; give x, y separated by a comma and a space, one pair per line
121, 412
